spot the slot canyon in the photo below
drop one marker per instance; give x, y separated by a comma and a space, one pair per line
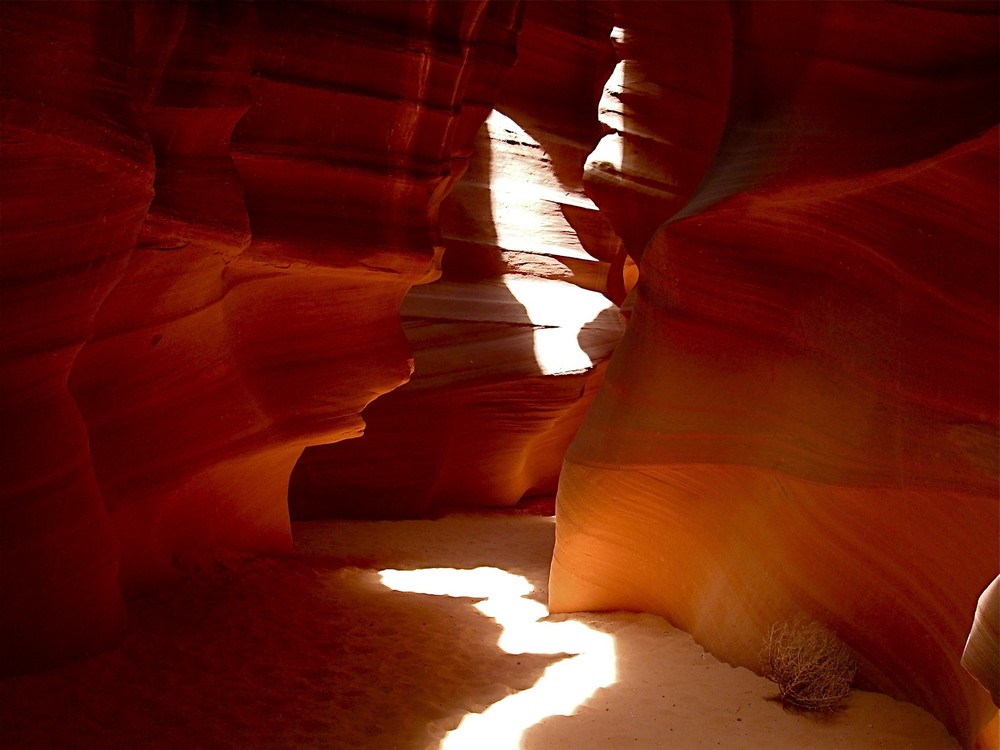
383, 374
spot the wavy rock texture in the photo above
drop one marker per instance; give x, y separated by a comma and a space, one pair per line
981, 657
665, 104
300, 156
511, 344
213, 213
802, 416
164, 416
77, 180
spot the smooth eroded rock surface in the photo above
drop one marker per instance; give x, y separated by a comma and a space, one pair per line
802, 416
212, 214
222, 230
77, 182
511, 344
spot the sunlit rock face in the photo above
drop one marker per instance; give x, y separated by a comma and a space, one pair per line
981, 657
665, 104
212, 214
802, 415
511, 344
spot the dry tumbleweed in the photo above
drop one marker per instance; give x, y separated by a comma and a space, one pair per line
811, 667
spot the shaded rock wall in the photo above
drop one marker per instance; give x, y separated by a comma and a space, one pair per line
212, 213
77, 182
802, 415
511, 344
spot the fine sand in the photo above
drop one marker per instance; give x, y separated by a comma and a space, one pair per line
450, 647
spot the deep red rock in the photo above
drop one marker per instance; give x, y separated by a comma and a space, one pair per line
508, 349
802, 416
77, 181
211, 216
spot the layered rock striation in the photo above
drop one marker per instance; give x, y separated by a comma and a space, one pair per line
981, 655
211, 216
801, 419
77, 182
511, 344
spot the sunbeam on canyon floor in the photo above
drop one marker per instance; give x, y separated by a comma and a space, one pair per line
589, 664
414, 635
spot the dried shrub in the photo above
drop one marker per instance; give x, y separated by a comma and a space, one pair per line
812, 668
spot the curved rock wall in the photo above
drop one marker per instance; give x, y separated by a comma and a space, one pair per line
665, 105
77, 181
172, 402
212, 213
981, 656
511, 344
802, 415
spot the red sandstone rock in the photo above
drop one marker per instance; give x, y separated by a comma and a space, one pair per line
251, 311
508, 349
495, 398
162, 419
77, 178
802, 416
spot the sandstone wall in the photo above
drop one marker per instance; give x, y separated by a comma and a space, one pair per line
212, 213
511, 344
802, 416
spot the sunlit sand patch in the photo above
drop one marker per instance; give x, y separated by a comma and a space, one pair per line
320, 653
562, 688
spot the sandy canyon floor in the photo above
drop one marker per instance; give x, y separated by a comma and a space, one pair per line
412, 635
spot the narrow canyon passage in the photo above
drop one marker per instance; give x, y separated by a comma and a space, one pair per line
287, 286
405, 635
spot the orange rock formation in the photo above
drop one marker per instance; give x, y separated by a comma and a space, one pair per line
213, 215
802, 416
510, 345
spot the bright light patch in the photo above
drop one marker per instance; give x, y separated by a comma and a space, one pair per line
608, 155
502, 127
562, 688
526, 197
610, 108
478, 583
558, 311
528, 211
